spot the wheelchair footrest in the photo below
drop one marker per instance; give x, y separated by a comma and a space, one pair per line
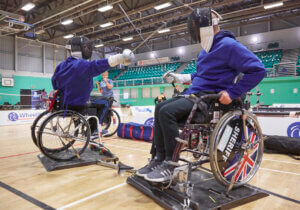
206, 193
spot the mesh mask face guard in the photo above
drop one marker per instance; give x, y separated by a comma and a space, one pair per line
81, 44
200, 26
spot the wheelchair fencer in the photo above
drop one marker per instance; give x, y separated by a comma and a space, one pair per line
63, 135
228, 137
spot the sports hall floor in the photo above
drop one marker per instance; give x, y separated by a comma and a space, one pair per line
97, 187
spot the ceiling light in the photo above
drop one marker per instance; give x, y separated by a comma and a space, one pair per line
68, 36
152, 55
28, 6
273, 5
163, 30
99, 45
105, 8
127, 39
254, 39
67, 22
162, 6
106, 24
180, 51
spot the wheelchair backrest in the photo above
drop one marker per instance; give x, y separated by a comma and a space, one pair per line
54, 101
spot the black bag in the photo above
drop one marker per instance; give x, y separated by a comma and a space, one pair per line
282, 145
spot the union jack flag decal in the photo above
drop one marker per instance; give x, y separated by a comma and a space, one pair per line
247, 162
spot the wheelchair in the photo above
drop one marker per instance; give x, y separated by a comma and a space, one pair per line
228, 137
63, 135
110, 124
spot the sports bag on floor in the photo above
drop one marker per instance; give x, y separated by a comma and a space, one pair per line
135, 131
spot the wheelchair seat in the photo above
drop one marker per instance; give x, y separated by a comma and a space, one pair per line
212, 107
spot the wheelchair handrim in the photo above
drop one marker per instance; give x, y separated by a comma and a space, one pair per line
215, 164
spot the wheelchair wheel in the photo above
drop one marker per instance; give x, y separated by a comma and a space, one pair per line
112, 123
225, 148
64, 135
36, 125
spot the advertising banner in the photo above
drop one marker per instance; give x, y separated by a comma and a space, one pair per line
280, 126
142, 113
17, 117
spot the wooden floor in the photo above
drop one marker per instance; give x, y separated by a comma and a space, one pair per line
97, 187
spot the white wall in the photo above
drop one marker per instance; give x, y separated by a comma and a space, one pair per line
287, 38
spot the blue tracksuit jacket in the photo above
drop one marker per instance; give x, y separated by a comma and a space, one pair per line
74, 78
227, 58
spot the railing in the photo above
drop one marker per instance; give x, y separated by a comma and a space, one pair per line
278, 70
285, 69
141, 81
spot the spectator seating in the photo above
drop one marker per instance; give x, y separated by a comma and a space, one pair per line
190, 68
269, 58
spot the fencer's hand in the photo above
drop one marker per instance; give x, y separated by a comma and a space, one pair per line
177, 78
128, 57
168, 77
225, 98
125, 58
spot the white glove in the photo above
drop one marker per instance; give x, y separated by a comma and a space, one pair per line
177, 78
125, 58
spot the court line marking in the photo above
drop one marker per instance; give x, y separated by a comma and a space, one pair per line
285, 172
26, 197
92, 196
21, 154
281, 161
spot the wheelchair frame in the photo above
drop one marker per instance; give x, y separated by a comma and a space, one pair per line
182, 173
56, 112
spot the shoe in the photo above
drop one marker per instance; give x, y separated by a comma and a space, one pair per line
162, 173
95, 133
142, 172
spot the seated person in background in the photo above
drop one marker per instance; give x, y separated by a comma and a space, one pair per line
43, 98
102, 102
176, 91
219, 62
160, 98
74, 76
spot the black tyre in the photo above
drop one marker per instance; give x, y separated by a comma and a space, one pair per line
36, 125
112, 123
64, 135
225, 148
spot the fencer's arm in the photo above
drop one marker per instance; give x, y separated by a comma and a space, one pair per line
125, 58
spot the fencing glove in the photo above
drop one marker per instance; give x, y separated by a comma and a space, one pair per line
125, 58
177, 78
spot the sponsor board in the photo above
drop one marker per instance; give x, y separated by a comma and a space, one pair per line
142, 113
294, 130
280, 126
16, 117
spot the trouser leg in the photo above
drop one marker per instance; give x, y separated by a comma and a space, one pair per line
158, 135
169, 115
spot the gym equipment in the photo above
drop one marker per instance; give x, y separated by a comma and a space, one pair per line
205, 193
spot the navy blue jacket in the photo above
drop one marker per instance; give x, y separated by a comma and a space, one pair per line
227, 58
74, 78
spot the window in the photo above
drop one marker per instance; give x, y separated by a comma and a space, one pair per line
155, 92
145, 92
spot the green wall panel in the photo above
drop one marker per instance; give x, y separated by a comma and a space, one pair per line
23, 82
